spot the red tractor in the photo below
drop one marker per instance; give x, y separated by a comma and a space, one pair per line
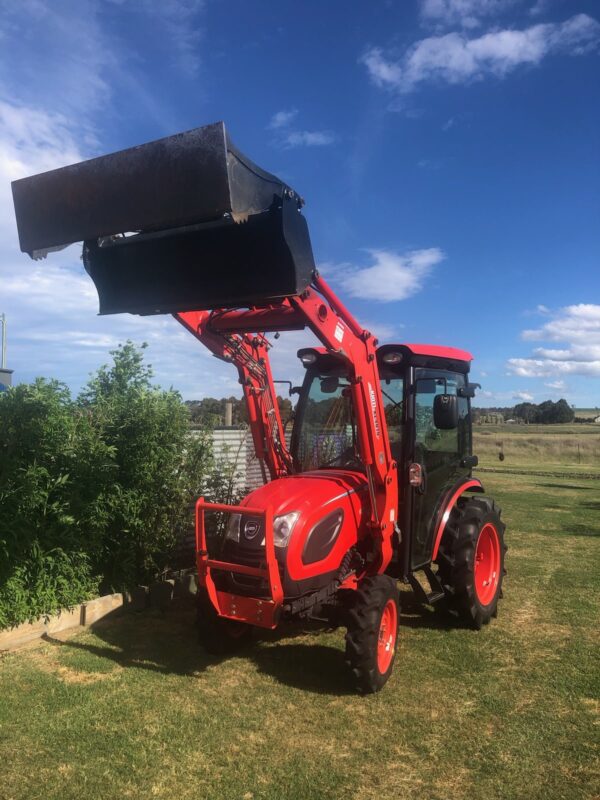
375, 484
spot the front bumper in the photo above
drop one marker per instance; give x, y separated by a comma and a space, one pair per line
263, 612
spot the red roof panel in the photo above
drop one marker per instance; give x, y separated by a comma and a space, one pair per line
439, 351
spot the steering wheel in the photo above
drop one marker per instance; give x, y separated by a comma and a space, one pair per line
347, 457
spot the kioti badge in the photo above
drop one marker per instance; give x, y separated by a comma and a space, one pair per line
251, 528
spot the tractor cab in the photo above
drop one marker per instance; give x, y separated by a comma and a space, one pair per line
426, 401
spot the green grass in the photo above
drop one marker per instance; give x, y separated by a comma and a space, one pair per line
136, 710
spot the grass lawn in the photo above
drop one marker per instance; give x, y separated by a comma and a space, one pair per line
136, 710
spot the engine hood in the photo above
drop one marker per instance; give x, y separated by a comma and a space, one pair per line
308, 492
332, 508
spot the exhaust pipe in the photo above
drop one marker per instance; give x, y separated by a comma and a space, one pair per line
180, 224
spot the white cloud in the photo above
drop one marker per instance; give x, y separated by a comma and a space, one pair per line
384, 331
383, 72
176, 23
391, 277
430, 163
467, 13
540, 7
281, 119
547, 368
309, 138
558, 386
69, 57
178, 19
524, 397
577, 327
56, 50
289, 137
454, 58
49, 287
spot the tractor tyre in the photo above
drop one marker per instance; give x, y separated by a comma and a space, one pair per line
372, 623
471, 560
217, 635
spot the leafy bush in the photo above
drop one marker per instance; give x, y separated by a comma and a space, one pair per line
48, 531
146, 429
93, 491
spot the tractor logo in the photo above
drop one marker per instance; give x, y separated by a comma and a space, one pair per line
251, 528
373, 402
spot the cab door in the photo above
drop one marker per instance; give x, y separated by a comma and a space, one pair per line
439, 453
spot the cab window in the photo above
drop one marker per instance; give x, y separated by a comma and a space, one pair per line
430, 383
392, 391
325, 429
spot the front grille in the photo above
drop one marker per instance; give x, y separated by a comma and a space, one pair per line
249, 556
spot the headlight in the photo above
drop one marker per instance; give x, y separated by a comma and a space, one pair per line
233, 527
283, 527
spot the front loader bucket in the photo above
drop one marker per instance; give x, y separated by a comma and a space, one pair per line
182, 223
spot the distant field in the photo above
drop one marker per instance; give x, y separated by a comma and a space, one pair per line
587, 412
538, 446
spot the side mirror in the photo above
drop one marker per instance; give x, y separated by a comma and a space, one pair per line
426, 386
445, 411
468, 390
330, 384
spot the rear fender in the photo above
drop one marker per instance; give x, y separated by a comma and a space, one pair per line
471, 485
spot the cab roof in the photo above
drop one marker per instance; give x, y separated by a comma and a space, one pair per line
428, 355
438, 351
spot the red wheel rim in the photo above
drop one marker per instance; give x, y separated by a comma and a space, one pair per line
487, 564
386, 641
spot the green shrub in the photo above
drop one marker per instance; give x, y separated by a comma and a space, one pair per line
93, 491
51, 464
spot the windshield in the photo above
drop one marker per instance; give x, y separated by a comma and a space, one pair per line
325, 431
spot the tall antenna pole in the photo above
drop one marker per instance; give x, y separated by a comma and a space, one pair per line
3, 320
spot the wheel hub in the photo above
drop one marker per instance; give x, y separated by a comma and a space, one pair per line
487, 564
388, 630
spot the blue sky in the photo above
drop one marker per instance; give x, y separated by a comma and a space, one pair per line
448, 152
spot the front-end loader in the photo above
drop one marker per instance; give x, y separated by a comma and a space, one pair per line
375, 484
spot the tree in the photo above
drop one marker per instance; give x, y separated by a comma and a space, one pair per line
525, 411
563, 412
546, 413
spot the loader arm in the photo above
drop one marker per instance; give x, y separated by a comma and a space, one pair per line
250, 355
232, 336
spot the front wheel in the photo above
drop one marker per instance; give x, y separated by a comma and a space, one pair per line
372, 632
217, 635
471, 559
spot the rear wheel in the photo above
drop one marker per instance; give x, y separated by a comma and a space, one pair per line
218, 635
471, 559
372, 632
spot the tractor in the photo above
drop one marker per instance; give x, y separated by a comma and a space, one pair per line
374, 484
